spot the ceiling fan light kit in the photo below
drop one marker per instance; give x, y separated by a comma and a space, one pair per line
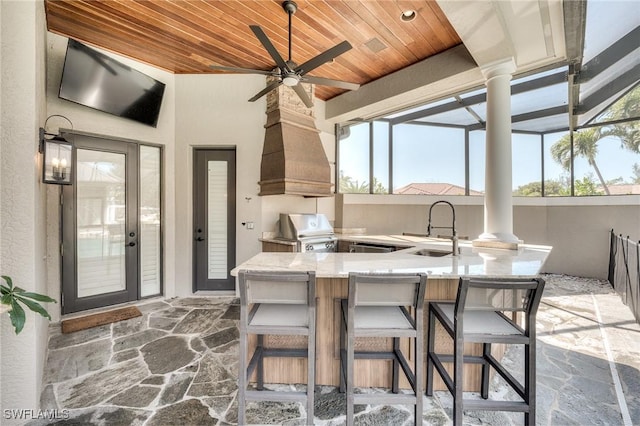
287, 72
290, 80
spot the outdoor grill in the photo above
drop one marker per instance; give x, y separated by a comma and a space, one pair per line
312, 232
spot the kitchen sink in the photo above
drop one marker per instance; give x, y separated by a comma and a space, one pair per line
432, 252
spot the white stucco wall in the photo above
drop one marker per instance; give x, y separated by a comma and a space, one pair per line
213, 111
22, 198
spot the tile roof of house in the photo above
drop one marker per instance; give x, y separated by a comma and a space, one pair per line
624, 188
433, 188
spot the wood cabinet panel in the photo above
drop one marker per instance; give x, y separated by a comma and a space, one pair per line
280, 248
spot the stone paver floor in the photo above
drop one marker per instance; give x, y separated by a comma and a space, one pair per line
177, 365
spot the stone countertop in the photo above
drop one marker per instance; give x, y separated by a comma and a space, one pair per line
527, 260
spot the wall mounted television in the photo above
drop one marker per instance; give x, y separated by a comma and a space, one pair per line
98, 81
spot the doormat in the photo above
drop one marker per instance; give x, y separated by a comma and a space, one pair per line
95, 320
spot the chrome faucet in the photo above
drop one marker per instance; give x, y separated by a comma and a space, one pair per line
454, 235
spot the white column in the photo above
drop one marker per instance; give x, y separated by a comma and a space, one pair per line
498, 202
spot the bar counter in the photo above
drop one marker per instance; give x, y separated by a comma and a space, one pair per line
332, 270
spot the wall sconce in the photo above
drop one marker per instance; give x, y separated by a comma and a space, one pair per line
57, 156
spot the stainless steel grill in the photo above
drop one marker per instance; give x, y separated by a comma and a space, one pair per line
312, 232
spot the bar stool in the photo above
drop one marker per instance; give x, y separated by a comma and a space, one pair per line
377, 307
283, 304
478, 315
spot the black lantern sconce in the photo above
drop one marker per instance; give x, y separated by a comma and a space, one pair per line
57, 157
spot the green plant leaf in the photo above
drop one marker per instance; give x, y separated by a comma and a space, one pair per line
17, 316
34, 306
14, 296
8, 280
37, 296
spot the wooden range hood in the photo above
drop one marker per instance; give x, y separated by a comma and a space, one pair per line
293, 159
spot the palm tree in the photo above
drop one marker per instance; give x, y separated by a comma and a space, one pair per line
585, 144
636, 173
627, 107
350, 186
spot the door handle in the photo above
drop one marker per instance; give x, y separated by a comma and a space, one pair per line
199, 239
131, 244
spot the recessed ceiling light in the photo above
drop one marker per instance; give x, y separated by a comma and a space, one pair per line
408, 15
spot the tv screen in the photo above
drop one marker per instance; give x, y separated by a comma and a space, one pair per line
98, 81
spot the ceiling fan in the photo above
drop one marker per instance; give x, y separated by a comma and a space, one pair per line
287, 72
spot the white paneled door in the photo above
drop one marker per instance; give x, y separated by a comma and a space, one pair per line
214, 219
111, 216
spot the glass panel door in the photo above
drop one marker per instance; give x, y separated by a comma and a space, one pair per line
100, 222
111, 224
150, 215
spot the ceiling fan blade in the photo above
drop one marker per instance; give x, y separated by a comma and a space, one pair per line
240, 70
269, 47
330, 82
324, 57
303, 95
266, 90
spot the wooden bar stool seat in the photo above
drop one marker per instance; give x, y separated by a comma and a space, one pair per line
275, 303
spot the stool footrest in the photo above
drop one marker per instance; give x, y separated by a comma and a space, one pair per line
490, 405
266, 395
372, 355
468, 359
384, 398
285, 352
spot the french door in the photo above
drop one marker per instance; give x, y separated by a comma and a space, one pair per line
214, 235
111, 218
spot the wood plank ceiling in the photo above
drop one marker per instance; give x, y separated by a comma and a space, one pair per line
187, 36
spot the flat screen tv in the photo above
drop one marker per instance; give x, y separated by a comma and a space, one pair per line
98, 81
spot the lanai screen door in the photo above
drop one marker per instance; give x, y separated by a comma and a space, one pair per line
111, 224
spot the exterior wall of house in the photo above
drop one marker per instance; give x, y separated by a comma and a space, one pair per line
577, 228
22, 199
214, 112
85, 119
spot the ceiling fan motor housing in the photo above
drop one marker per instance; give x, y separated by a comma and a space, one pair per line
290, 7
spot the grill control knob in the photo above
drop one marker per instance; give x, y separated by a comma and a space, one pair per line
308, 247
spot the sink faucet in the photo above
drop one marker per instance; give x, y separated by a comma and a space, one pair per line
454, 234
